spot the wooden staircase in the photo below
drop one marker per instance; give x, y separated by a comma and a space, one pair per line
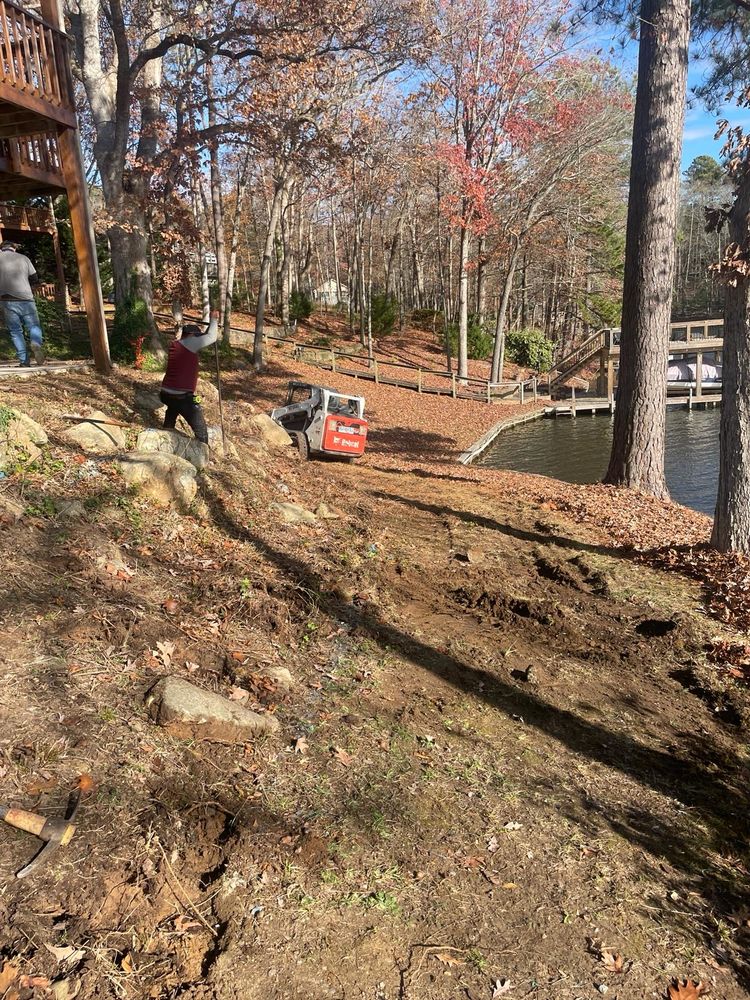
568, 366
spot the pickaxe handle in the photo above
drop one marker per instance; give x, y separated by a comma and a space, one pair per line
37, 825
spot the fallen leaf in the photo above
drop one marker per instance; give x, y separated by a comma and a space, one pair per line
300, 745
342, 756
492, 844
165, 651
8, 974
512, 825
66, 954
86, 784
447, 959
472, 862
613, 961
686, 989
500, 987
238, 694
34, 982
127, 963
171, 606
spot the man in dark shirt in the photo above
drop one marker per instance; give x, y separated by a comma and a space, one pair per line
181, 378
17, 275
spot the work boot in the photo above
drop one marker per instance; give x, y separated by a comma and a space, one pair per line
25, 364
38, 353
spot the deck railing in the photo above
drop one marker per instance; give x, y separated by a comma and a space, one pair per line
38, 152
25, 218
33, 56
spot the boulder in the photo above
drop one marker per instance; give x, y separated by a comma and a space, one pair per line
294, 513
167, 479
280, 676
190, 712
268, 431
147, 399
207, 391
171, 442
219, 447
21, 437
96, 438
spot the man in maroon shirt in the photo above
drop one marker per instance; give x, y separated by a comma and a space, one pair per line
181, 378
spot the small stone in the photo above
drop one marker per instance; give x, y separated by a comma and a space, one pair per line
172, 442
70, 510
294, 513
270, 433
10, 511
167, 479
471, 556
280, 676
189, 712
96, 438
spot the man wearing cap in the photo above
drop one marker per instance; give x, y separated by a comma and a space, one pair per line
181, 378
17, 275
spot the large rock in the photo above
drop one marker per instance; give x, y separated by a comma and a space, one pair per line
21, 437
147, 399
189, 712
171, 442
220, 448
294, 513
96, 438
167, 479
207, 391
269, 431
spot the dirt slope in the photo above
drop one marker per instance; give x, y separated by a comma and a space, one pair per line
504, 741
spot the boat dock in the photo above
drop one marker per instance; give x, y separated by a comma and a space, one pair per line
590, 405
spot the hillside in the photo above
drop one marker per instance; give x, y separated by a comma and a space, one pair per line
505, 754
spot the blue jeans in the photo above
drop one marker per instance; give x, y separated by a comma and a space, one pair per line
20, 316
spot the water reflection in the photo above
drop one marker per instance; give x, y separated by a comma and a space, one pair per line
577, 451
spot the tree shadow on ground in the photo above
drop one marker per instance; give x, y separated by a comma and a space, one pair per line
504, 527
717, 792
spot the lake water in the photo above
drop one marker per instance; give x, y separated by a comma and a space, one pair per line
577, 451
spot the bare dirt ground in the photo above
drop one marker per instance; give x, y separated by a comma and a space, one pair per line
507, 749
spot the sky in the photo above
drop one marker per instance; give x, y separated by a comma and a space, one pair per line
700, 124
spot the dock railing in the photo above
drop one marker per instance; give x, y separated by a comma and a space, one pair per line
33, 59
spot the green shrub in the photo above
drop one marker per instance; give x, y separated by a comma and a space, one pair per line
300, 306
529, 348
428, 319
479, 340
384, 310
129, 330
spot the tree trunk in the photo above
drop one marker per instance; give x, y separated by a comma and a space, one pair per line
463, 300
232, 269
481, 281
732, 522
265, 269
498, 352
637, 459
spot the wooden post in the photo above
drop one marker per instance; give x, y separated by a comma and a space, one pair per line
489, 391
521, 388
85, 245
377, 373
333, 360
573, 400
536, 388
610, 379
419, 379
454, 390
699, 375
80, 211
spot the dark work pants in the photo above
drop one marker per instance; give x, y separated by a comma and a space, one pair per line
186, 407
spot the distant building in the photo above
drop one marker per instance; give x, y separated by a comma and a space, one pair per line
328, 294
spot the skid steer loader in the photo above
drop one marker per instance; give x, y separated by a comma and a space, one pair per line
323, 421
